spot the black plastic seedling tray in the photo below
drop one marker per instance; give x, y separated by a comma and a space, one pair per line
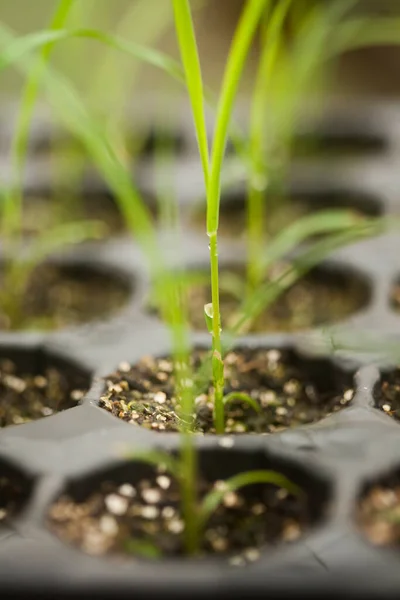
333, 459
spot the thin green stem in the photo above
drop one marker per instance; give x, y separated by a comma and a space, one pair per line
239, 49
217, 364
174, 312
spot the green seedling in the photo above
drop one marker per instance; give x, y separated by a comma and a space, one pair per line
17, 271
87, 129
168, 288
201, 510
289, 71
212, 163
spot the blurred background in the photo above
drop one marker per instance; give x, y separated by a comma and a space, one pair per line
373, 71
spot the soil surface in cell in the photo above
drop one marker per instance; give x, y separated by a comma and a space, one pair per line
282, 394
12, 495
43, 213
27, 397
378, 513
395, 296
280, 212
387, 394
319, 298
54, 297
145, 519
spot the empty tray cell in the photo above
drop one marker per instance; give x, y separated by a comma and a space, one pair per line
287, 390
36, 384
135, 509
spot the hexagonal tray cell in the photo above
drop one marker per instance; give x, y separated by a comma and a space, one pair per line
377, 513
134, 508
61, 295
43, 208
35, 384
327, 294
288, 389
387, 393
15, 490
282, 209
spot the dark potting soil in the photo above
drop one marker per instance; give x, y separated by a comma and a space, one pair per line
145, 519
59, 296
280, 212
319, 298
395, 296
12, 494
27, 397
145, 394
41, 213
387, 394
335, 141
378, 514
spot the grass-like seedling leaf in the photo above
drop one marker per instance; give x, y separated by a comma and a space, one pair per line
323, 222
364, 32
15, 51
193, 76
242, 397
286, 72
19, 47
143, 548
212, 167
11, 212
64, 235
261, 298
214, 498
260, 170
73, 113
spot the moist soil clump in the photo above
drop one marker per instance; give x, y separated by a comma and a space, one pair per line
378, 514
145, 394
58, 296
28, 397
321, 297
146, 519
